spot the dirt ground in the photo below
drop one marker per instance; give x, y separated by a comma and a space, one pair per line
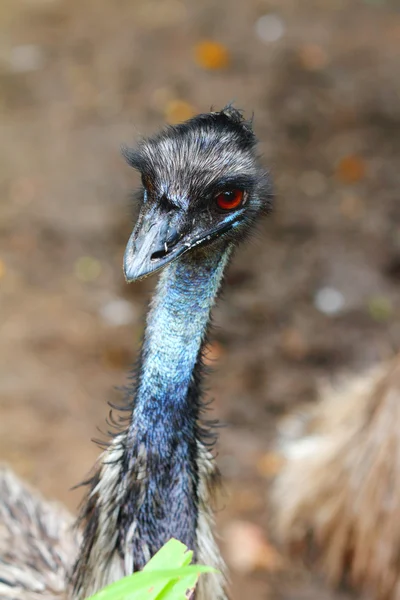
315, 294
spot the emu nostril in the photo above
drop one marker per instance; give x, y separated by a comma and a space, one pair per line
158, 254
173, 237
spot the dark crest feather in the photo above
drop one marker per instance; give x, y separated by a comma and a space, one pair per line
229, 118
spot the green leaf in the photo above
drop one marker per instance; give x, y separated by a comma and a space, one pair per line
167, 576
172, 554
181, 589
150, 583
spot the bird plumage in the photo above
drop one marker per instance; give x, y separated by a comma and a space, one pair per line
156, 478
160, 469
38, 543
337, 498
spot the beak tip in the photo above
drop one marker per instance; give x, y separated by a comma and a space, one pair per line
127, 267
127, 278
129, 274
133, 271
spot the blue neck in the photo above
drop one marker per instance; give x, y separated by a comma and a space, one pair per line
176, 327
162, 441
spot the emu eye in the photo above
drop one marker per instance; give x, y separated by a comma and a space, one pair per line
230, 199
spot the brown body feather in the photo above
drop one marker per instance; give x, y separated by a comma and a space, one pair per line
100, 560
337, 499
38, 543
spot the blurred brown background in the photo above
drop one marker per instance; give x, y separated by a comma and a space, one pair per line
314, 295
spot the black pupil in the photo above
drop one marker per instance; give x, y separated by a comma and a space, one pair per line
230, 196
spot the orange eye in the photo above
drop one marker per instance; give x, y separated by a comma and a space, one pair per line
230, 200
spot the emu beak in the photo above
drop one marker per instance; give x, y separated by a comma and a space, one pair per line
159, 238
152, 244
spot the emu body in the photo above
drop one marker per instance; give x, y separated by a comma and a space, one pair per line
202, 192
337, 499
38, 543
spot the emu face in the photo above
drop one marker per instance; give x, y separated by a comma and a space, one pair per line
201, 182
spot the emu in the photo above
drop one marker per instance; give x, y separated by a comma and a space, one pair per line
337, 498
203, 190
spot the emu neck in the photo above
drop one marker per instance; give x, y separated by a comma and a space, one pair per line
162, 445
150, 484
175, 331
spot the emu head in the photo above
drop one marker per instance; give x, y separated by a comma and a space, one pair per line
201, 182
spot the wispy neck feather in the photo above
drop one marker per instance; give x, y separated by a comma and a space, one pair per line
149, 485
